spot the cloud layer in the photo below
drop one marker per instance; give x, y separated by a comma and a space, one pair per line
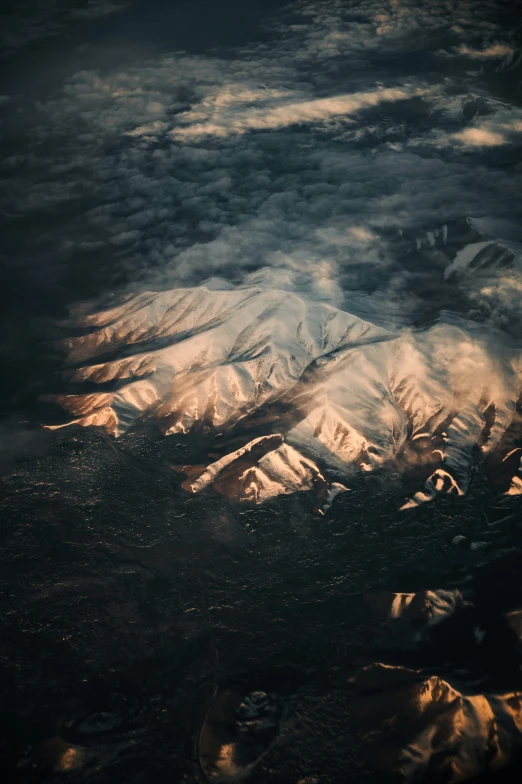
304, 150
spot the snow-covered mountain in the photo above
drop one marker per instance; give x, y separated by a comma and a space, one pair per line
411, 723
480, 257
429, 606
315, 393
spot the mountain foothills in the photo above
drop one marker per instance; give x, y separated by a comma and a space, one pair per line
307, 393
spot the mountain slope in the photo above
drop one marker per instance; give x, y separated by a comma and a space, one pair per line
343, 394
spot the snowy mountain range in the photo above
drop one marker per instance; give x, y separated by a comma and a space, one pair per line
314, 393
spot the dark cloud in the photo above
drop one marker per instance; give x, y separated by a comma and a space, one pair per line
28, 21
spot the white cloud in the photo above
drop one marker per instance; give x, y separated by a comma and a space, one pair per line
499, 128
150, 130
226, 117
493, 51
478, 137
354, 234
